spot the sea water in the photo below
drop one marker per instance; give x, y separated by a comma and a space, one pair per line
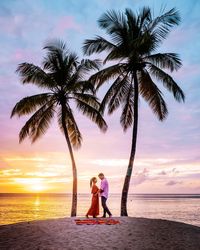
27, 207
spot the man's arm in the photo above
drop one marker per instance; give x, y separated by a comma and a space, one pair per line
102, 186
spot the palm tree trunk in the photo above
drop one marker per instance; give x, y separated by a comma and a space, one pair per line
133, 150
74, 170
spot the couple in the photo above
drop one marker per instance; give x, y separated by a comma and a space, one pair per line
103, 192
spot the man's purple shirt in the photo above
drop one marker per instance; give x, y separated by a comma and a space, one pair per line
104, 187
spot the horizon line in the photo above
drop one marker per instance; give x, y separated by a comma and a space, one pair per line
110, 193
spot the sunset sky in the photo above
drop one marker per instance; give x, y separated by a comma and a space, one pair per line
168, 159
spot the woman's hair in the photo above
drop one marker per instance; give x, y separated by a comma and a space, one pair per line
92, 180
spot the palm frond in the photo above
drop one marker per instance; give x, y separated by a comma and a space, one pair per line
29, 73
126, 118
57, 49
29, 104
71, 125
111, 19
51, 63
82, 87
70, 67
115, 25
106, 74
143, 18
97, 45
78, 75
152, 95
169, 61
30, 126
43, 124
60, 63
55, 45
74, 134
58, 58
120, 94
110, 92
143, 44
93, 114
89, 64
168, 82
84, 67
161, 25
131, 22
70, 62
87, 98
116, 54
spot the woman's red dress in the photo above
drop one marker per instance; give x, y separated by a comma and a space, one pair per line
94, 209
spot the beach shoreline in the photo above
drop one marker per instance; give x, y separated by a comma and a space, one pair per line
132, 233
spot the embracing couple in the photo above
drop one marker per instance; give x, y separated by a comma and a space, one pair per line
96, 192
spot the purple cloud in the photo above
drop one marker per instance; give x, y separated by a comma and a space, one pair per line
140, 177
171, 183
162, 173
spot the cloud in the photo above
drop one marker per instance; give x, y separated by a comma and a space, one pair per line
43, 174
140, 177
110, 162
66, 23
162, 173
10, 173
37, 159
192, 176
181, 161
3, 164
172, 183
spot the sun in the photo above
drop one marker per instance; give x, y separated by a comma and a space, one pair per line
32, 184
38, 187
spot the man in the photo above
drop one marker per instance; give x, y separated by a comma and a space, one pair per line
104, 195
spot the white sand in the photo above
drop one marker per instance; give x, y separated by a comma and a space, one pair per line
131, 233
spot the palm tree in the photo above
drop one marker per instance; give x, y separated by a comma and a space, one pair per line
63, 77
134, 39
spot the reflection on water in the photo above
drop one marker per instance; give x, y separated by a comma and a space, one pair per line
25, 207
36, 207
37, 202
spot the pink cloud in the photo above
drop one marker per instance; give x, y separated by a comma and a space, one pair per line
66, 23
3, 164
28, 55
19, 55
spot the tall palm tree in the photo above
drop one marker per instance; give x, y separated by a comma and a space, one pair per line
134, 39
62, 75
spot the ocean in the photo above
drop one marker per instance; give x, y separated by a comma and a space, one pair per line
27, 207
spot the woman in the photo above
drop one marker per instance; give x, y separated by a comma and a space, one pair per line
94, 209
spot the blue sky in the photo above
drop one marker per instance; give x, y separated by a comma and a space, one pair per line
168, 157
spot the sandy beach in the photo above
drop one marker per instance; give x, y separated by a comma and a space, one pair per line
131, 233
